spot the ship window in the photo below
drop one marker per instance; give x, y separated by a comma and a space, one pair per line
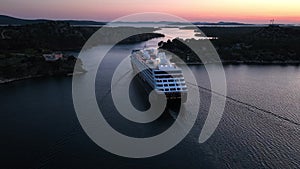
173, 89
171, 84
165, 84
161, 72
167, 89
171, 80
175, 72
178, 88
159, 85
165, 80
163, 76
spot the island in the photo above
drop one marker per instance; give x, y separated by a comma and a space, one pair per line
272, 44
40, 49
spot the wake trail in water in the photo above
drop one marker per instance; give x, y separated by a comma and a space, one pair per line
246, 104
227, 97
109, 90
57, 147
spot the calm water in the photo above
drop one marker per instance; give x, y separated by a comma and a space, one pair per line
171, 33
260, 127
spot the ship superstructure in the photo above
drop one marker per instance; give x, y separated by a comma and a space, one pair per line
159, 73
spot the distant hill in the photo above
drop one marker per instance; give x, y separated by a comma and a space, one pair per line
8, 20
220, 23
273, 44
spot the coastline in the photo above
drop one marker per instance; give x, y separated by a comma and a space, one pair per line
25, 61
4, 81
288, 63
10, 80
15, 67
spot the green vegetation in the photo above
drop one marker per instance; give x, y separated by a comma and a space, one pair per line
271, 44
22, 47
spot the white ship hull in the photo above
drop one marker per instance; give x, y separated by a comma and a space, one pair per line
164, 80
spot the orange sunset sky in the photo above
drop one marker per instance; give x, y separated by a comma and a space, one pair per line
253, 11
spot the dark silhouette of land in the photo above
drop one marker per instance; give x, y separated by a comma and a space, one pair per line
271, 44
23, 46
8, 20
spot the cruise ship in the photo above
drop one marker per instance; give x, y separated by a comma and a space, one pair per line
159, 73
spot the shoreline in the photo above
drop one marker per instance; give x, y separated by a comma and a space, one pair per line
288, 63
11, 80
5, 81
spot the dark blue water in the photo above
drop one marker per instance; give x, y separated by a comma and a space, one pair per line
259, 128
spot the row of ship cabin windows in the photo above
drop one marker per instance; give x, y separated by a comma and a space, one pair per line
170, 80
173, 89
166, 85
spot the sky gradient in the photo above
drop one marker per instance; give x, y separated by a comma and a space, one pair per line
252, 11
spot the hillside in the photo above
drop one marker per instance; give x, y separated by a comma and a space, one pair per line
8, 20
54, 35
265, 45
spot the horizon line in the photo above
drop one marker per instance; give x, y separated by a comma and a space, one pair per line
93, 20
